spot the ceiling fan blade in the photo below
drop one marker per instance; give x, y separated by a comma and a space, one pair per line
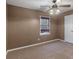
45, 6
64, 6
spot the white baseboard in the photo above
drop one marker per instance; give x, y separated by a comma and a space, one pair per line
31, 45
62, 40
66, 41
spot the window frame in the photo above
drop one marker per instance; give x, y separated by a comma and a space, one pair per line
48, 33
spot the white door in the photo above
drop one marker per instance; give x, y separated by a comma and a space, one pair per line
68, 28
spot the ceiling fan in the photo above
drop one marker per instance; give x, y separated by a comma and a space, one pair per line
55, 6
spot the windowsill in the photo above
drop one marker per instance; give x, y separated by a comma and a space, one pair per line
46, 33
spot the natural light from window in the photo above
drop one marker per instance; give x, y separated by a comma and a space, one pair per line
44, 25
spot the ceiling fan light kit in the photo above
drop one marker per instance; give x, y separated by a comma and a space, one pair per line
54, 8
54, 11
51, 12
57, 11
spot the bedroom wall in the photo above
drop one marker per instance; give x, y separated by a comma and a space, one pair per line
23, 27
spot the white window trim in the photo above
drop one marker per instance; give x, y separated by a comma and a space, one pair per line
45, 33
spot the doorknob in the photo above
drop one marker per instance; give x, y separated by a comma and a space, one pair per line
71, 30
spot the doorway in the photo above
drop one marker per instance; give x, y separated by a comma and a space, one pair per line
68, 28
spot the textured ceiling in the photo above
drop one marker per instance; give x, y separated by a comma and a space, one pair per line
35, 4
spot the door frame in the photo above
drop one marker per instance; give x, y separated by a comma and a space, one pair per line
64, 28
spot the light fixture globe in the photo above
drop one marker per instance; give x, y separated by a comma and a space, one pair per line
51, 12
54, 11
57, 11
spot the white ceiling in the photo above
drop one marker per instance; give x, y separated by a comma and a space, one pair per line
35, 4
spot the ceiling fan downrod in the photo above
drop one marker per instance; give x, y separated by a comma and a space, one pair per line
54, 1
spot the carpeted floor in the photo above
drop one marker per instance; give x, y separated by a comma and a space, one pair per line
53, 50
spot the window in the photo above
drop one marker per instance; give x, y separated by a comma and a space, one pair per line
44, 25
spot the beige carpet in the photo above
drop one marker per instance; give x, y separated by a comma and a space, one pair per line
53, 50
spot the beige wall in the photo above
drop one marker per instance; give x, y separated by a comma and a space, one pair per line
23, 27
